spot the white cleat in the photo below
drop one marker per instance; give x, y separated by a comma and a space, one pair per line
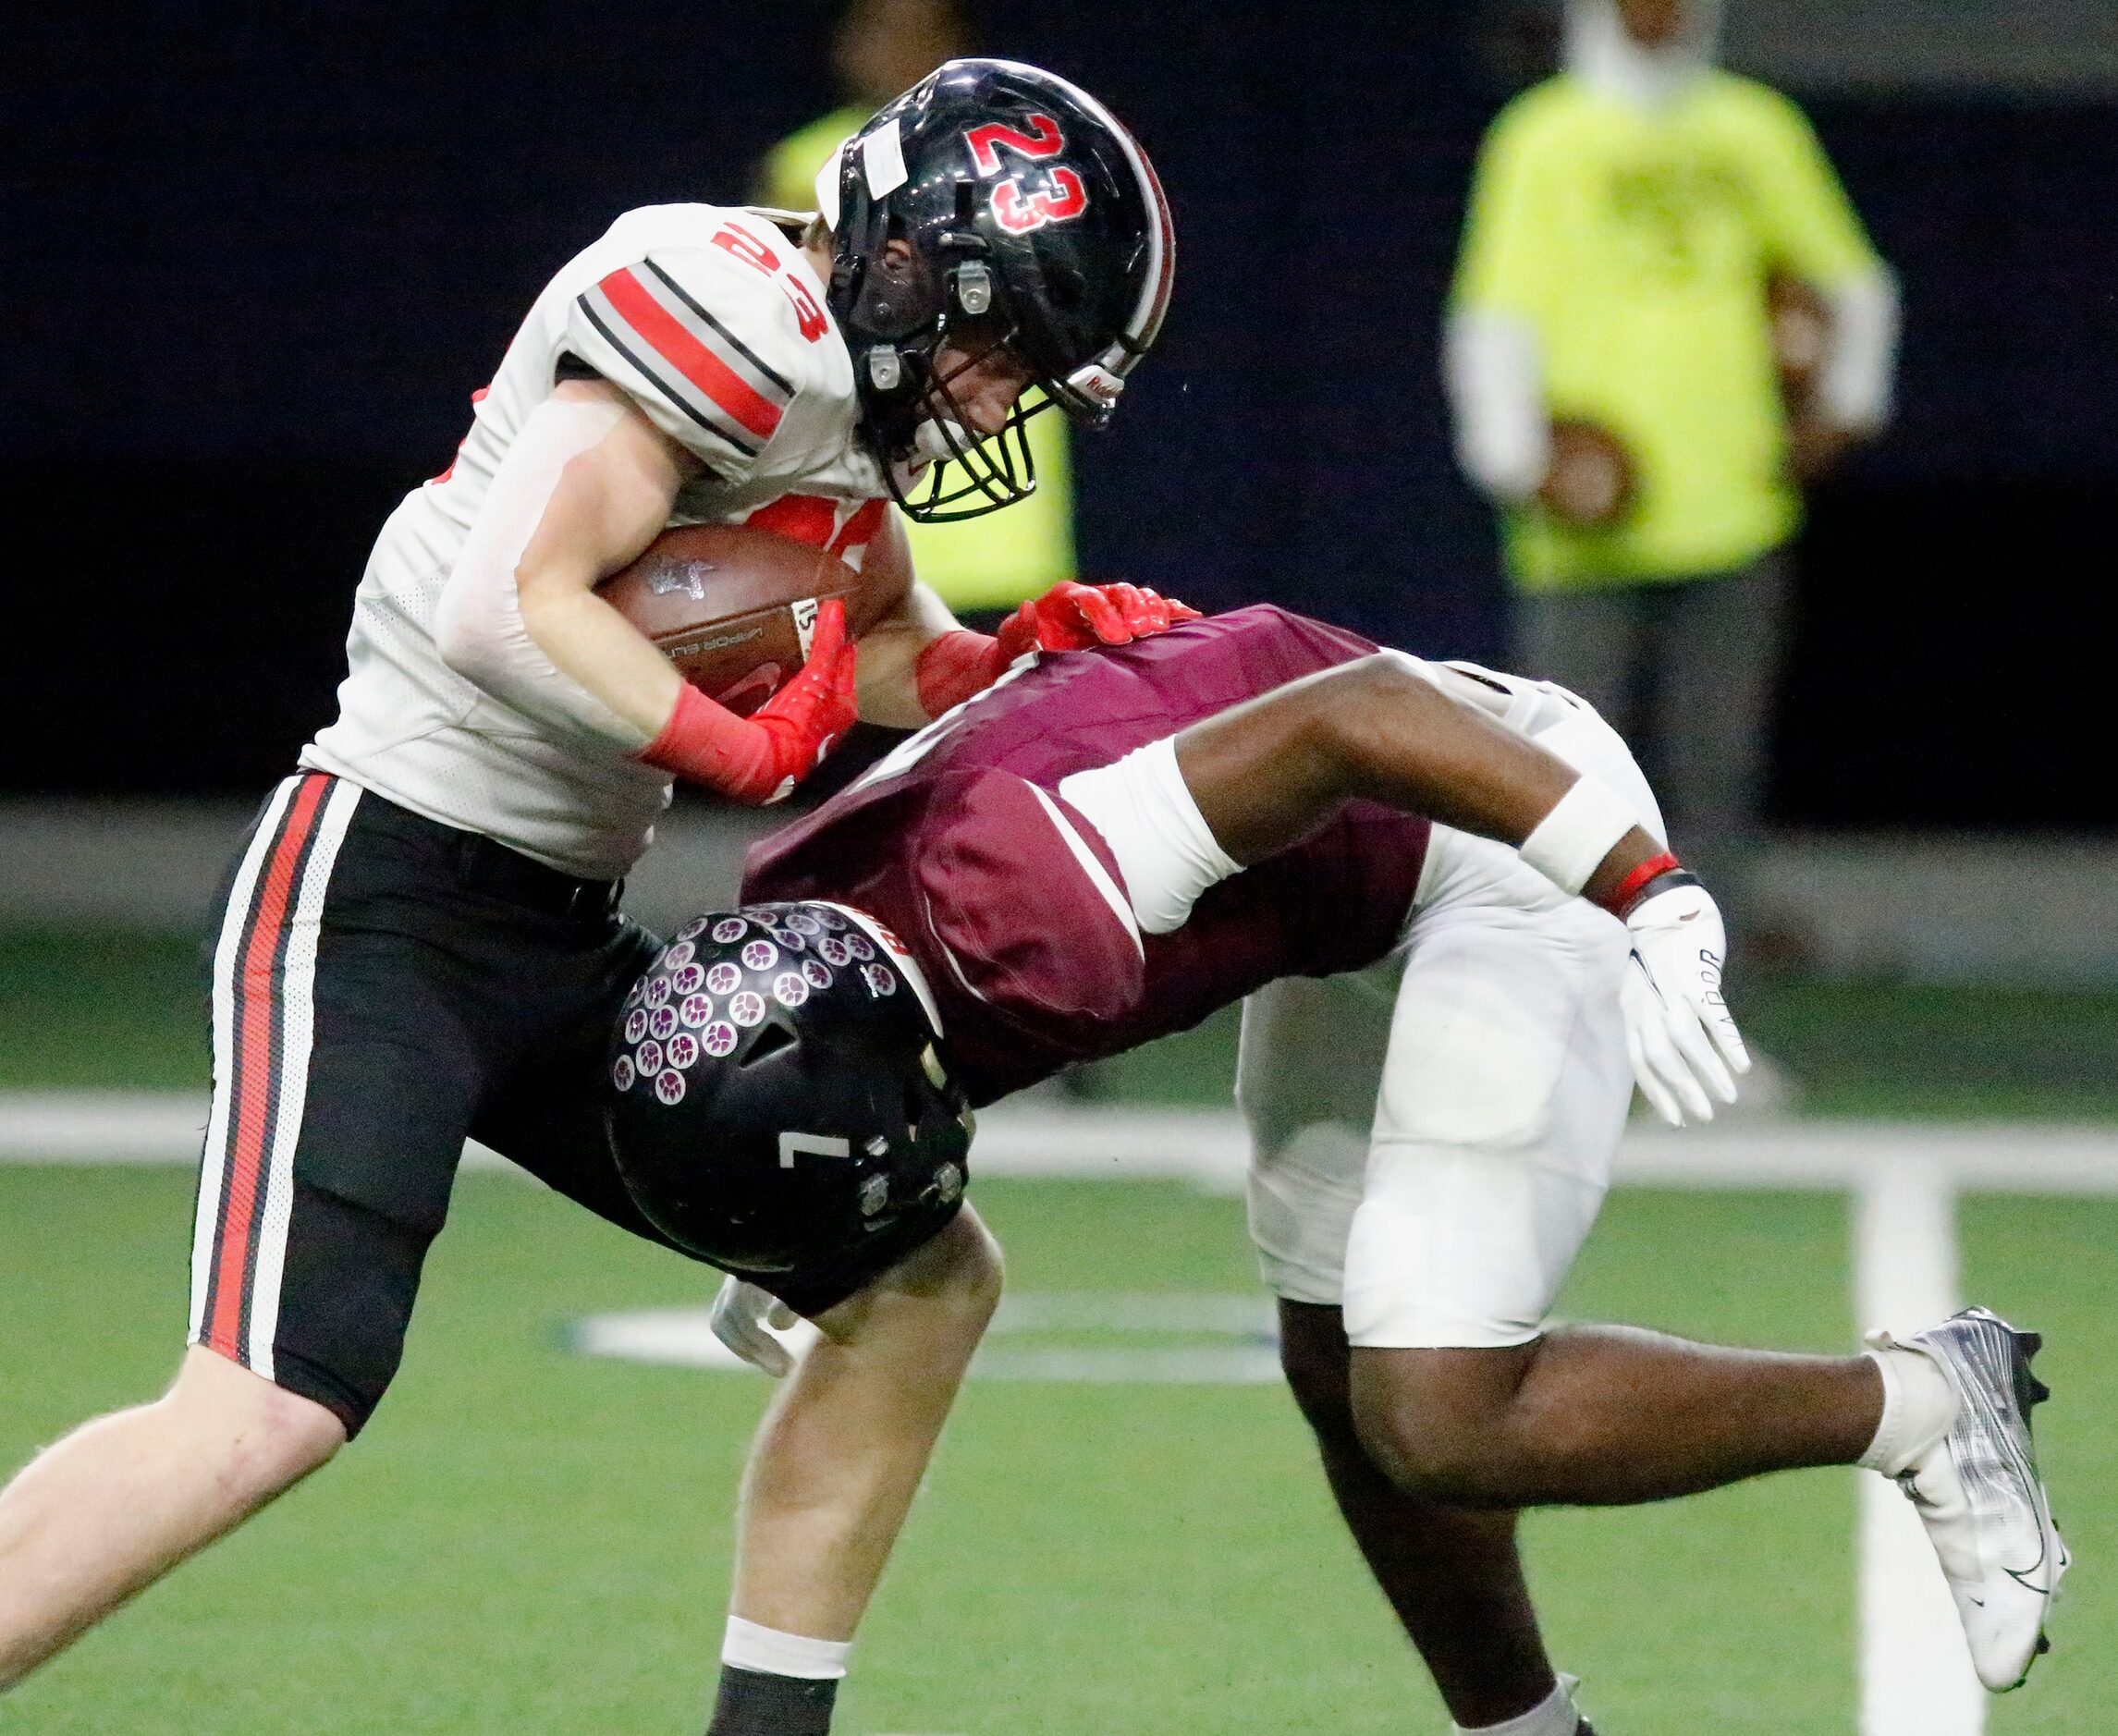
1980, 1494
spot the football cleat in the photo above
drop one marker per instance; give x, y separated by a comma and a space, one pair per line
1978, 1494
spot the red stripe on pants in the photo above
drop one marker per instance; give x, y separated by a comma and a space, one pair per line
255, 1016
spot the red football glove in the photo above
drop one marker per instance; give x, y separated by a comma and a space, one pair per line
1068, 617
759, 758
1072, 617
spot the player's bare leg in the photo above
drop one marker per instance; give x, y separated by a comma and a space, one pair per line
1453, 1576
1594, 1416
102, 1514
838, 1457
833, 1471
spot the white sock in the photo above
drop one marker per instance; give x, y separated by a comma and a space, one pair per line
771, 1653
1918, 1406
1553, 1716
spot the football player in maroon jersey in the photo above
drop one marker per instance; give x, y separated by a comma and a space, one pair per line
1106, 845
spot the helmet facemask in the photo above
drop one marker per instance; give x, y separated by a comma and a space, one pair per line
951, 319
990, 471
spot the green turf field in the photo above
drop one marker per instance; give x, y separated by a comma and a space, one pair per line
125, 1010
528, 1539
531, 1540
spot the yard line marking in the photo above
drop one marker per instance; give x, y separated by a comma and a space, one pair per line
1210, 1147
1917, 1677
1243, 1347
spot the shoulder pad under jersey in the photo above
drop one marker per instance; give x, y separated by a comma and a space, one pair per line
715, 329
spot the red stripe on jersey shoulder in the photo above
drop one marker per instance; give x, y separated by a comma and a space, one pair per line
661, 332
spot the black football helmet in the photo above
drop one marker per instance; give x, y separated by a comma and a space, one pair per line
1032, 220
777, 1106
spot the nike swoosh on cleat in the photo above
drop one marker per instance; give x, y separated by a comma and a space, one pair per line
2023, 1579
2022, 1576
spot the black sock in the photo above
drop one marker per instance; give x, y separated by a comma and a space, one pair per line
754, 1704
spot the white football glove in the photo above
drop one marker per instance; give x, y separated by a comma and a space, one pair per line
1678, 1029
744, 1320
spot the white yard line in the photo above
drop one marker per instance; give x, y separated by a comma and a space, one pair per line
1208, 1147
1915, 1672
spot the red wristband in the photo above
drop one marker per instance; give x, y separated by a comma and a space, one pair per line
1627, 889
709, 744
951, 669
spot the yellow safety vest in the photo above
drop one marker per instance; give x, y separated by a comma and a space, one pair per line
1638, 243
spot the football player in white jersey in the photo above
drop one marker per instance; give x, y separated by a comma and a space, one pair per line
419, 939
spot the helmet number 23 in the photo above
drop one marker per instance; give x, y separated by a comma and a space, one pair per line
1043, 139
1016, 212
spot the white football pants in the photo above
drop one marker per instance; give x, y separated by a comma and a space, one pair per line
1431, 1137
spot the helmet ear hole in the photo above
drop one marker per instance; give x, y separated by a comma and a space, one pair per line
770, 1040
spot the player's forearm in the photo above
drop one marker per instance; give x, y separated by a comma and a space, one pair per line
890, 653
1267, 773
1454, 762
590, 643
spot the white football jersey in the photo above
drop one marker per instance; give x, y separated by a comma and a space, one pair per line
714, 324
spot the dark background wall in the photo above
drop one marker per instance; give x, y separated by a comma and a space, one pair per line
256, 262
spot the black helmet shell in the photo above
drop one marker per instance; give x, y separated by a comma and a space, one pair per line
775, 1098
1027, 209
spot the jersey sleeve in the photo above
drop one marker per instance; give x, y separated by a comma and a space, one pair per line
709, 346
1026, 905
1810, 226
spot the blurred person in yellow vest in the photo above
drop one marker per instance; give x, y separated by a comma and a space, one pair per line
978, 565
1667, 316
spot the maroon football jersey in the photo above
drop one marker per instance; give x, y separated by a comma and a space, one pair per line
947, 843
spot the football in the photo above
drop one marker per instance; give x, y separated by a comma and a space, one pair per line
733, 606
1591, 482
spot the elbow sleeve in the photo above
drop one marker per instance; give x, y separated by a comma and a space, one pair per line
478, 628
1494, 376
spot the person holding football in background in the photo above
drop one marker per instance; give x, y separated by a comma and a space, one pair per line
1645, 231
1109, 844
421, 938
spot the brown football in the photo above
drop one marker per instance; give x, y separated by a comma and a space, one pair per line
731, 605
